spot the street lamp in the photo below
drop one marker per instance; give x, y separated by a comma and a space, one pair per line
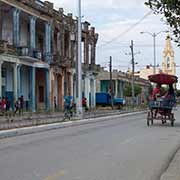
154, 46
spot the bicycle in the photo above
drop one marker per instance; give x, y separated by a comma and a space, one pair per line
68, 113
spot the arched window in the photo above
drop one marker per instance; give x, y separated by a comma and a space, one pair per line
168, 62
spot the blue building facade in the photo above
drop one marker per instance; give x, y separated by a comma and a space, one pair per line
25, 38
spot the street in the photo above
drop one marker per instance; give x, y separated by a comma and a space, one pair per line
117, 149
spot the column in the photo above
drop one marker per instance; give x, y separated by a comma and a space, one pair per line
47, 90
121, 88
69, 83
16, 13
1, 23
19, 80
60, 95
32, 32
69, 46
33, 89
63, 42
86, 50
48, 42
1, 62
59, 49
93, 92
116, 88
54, 44
87, 88
15, 81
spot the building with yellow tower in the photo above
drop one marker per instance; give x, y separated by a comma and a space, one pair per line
168, 64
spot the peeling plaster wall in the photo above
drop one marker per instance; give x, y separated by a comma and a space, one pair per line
7, 28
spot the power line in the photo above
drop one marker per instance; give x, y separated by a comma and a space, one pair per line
127, 30
137, 45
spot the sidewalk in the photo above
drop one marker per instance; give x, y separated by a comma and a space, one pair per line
44, 122
34, 119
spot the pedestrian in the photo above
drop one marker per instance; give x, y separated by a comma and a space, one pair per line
55, 103
68, 104
17, 106
84, 103
21, 104
8, 103
3, 105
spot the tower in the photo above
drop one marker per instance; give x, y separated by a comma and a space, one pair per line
168, 64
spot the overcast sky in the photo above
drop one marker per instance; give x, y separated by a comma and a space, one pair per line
124, 19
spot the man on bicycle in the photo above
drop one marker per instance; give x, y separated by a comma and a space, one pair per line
68, 104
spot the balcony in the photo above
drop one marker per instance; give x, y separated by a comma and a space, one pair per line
6, 48
29, 54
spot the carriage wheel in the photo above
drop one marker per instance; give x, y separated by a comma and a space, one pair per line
148, 122
148, 118
172, 119
152, 121
172, 122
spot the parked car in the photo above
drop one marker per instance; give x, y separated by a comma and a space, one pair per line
104, 99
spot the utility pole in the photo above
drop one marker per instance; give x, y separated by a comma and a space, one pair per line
79, 68
111, 84
132, 53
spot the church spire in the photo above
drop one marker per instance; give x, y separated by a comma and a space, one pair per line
168, 64
168, 48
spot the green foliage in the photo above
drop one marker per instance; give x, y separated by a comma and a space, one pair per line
128, 90
171, 11
137, 90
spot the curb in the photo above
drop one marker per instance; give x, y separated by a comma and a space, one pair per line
41, 128
173, 170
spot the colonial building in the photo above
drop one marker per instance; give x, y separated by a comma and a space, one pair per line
25, 34
89, 68
38, 53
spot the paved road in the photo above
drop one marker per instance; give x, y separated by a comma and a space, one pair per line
120, 149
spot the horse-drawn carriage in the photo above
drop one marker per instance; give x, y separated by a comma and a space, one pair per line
160, 108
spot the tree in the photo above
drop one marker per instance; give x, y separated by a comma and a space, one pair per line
128, 90
171, 11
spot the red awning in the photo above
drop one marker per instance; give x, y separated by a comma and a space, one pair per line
163, 78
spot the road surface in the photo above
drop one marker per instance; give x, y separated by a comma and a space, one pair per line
117, 149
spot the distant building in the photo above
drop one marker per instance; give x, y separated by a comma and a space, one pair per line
146, 71
168, 64
119, 82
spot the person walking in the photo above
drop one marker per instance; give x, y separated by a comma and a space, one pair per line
21, 105
17, 106
55, 103
3, 105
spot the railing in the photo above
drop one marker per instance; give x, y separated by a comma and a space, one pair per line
5, 47
26, 51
